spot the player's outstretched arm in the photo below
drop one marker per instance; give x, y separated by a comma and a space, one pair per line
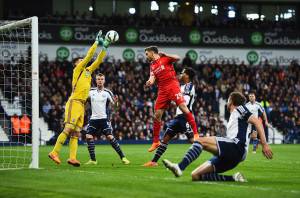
260, 129
90, 53
98, 61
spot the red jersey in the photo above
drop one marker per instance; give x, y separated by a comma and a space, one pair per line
163, 70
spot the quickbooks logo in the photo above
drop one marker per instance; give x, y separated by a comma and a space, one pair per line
131, 35
256, 38
195, 37
62, 53
252, 57
66, 33
128, 54
193, 55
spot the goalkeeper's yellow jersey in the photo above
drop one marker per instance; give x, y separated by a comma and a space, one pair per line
82, 75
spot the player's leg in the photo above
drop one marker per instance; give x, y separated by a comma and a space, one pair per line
189, 133
169, 134
73, 146
177, 96
54, 154
203, 143
77, 119
255, 140
206, 172
229, 156
162, 147
160, 106
107, 130
68, 129
91, 130
175, 126
207, 143
189, 118
116, 146
91, 150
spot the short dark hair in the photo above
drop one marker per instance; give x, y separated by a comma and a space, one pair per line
100, 74
252, 92
76, 59
237, 98
152, 48
190, 72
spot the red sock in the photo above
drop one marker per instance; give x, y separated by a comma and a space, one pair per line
156, 130
191, 120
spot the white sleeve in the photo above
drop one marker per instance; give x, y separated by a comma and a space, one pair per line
110, 97
261, 108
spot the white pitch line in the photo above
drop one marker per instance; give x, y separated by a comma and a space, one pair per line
254, 187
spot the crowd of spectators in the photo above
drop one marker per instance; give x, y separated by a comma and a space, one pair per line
155, 20
278, 88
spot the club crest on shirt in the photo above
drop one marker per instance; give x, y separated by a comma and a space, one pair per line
87, 73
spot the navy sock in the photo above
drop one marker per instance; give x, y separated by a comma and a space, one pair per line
91, 148
216, 177
160, 151
114, 143
255, 142
192, 154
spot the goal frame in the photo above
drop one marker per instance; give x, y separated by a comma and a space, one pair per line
35, 82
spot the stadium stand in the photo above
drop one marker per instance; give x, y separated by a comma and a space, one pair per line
154, 20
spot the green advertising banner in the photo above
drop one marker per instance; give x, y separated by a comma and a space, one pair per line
181, 37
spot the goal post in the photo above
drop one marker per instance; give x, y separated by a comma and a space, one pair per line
19, 94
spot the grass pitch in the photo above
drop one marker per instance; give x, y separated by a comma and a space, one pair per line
279, 177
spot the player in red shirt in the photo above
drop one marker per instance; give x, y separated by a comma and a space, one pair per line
162, 72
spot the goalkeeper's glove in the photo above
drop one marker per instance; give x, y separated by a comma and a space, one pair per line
99, 39
105, 43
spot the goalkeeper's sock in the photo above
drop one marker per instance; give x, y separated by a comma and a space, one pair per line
114, 143
91, 148
73, 145
60, 142
192, 154
160, 151
216, 177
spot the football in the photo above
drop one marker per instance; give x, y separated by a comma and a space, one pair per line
112, 36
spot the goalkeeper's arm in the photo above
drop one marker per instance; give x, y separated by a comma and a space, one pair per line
98, 61
81, 65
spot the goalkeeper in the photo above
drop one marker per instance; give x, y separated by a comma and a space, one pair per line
75, 107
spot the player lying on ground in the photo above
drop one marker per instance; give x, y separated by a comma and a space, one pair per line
162, 72
228, 151
179, 123
75, 107
99, 122
257, 110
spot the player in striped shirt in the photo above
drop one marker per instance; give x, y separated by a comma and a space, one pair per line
99, 123
228, 151
257, 110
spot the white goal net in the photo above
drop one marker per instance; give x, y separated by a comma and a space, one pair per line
19, 105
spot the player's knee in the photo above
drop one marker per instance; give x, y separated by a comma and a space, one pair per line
184, 108
109, 137
157, 115
191, 140
75, 134
202, 141
88, 136
67, 130
195, 176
